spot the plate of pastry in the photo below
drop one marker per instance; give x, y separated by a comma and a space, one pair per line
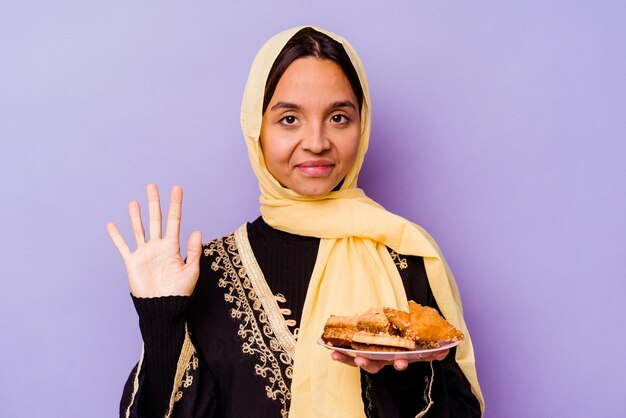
390, 334
410, 355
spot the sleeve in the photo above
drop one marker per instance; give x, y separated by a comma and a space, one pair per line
435, 389
169, 377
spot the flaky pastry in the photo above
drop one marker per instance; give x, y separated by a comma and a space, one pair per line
390, 329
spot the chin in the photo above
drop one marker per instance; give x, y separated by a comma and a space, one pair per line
312, 187
313, 191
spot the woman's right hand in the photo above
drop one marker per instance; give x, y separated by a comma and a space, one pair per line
156, 267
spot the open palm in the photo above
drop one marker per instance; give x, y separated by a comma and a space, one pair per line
156, 267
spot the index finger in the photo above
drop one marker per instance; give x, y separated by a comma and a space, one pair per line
174, 213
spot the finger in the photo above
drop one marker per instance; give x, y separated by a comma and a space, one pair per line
361, 362
194, 249
174, 213
438, 356
441, 355
118, 240
370, 366
400, 364
154, 210
135, 222
342, 358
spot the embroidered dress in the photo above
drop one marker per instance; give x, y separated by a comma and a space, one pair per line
234, 339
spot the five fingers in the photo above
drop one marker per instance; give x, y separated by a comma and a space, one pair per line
155, 220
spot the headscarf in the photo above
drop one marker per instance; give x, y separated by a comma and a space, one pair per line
353, 270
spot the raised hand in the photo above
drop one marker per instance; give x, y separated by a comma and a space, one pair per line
156, 267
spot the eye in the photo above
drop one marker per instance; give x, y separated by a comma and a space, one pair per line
339, 119
289, 120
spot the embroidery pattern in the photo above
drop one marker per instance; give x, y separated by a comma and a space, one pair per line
187, 379
369, 408
259, 339
187, 363
264, 294
400, 262
135, 382
427, 392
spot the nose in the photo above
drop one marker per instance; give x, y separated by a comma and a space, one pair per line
315, 139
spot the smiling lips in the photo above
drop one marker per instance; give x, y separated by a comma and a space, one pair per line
315, 168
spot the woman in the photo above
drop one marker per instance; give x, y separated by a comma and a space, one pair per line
232, 331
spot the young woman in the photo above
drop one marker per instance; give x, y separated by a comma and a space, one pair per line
232, 332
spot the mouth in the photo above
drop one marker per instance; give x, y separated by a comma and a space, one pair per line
315, 168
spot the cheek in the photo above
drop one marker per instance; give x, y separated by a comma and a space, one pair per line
275, 152
266, 142
352, 148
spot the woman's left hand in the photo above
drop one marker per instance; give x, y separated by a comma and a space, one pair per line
374, 366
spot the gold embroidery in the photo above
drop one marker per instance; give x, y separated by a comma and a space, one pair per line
264, 293
428, 392
400, 262
369, 408
136, 382
261, 325
186, 361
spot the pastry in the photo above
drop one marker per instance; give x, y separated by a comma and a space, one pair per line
368, 341
428, 328
389, 329
338, 330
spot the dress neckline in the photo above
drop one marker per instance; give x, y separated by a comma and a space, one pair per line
259, 226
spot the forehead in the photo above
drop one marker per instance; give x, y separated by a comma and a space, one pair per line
313, 76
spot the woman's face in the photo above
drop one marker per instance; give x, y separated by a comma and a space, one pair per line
311, 128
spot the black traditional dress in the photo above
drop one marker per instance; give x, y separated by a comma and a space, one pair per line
223, 352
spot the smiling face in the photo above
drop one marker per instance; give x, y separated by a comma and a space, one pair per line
311, 128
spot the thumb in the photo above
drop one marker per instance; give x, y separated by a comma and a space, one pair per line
194, 249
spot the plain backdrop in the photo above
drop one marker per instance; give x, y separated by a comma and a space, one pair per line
497, 126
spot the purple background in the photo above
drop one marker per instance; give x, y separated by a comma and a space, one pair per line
499, 128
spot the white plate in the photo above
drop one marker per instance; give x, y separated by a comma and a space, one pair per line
386, 355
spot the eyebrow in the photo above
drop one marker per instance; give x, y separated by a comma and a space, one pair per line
287, 105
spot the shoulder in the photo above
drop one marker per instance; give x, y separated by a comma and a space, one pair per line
216, 245
216, 258
219, 262
228, 243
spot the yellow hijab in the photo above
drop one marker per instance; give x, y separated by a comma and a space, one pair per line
353, 270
